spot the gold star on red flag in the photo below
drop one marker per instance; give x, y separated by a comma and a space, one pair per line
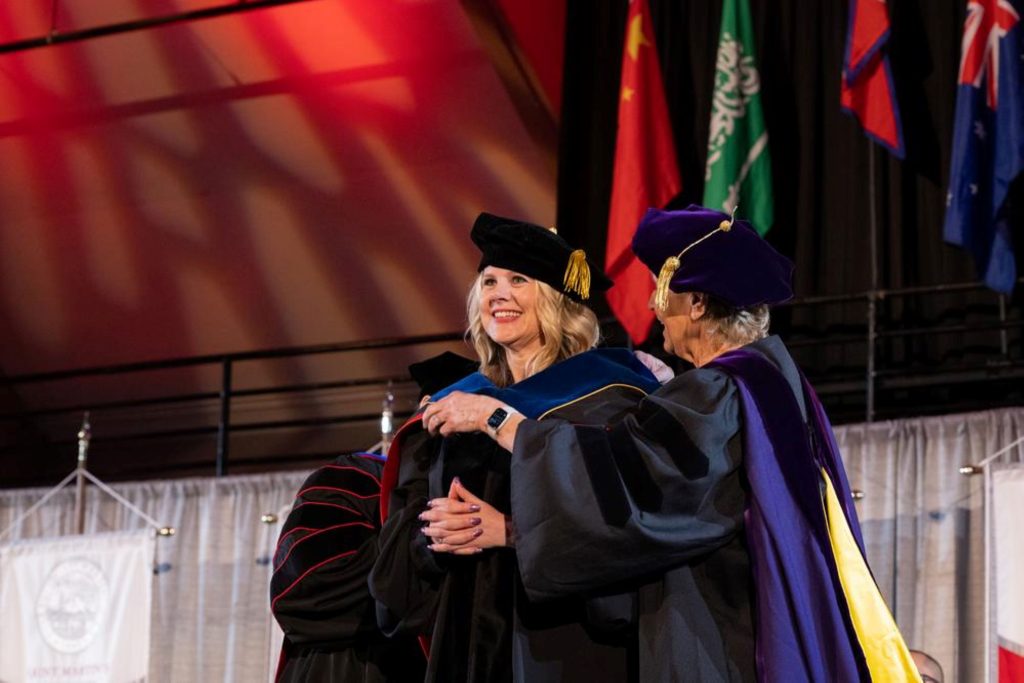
636, 36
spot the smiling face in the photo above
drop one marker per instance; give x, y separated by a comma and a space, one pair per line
508, 309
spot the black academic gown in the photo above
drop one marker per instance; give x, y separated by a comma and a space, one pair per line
319, 594
480, 624
656, 503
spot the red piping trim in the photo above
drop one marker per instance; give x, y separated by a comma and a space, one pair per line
335, 488
311, 569
289, 533
389, 478
316, 533
333, 505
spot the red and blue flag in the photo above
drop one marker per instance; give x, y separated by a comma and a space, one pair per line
988, 138
868, 89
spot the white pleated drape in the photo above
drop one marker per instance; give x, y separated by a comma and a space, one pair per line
924, 525
922, 521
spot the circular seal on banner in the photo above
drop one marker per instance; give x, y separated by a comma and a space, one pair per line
72, 605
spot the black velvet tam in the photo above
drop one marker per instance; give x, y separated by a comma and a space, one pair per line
536, 252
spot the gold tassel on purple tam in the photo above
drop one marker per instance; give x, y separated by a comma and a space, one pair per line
668, 269
672, 263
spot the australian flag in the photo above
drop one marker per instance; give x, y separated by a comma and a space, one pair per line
988, 139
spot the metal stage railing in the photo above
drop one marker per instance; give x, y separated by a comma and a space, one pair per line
999, 358
226, 362
878, 357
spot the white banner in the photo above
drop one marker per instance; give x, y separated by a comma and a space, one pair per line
76, 609
1008, 572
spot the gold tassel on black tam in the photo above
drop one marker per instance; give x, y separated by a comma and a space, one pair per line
577, 274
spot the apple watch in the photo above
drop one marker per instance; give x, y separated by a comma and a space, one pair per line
498, 419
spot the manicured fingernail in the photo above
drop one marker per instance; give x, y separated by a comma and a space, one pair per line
421, 516
474, 508
457, 481
477, 532
475, 521
477, 551
430, 503
423, 530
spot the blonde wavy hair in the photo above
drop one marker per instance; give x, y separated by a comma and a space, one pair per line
567, 328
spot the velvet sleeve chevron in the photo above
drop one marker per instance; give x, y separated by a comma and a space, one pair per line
318, 591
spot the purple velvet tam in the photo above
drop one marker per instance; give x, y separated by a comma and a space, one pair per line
738, 266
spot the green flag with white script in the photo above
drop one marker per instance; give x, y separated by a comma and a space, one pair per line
739, 169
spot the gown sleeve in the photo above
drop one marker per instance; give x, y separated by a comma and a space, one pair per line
598, 506
325, 551
406, 579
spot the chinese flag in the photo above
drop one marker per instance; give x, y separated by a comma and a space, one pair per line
645, 172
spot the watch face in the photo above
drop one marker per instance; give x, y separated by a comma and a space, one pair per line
496, 418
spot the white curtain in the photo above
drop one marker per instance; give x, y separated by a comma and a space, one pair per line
922, 520
211, 620
924, 527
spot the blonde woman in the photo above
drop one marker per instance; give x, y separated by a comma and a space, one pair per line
535, 339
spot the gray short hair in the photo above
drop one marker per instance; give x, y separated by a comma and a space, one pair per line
739, 326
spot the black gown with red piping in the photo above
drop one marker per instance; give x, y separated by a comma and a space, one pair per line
319, 591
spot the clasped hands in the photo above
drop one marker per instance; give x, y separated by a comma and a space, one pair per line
463, 524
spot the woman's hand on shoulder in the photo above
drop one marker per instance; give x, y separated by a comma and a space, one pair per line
459, 412
661, 371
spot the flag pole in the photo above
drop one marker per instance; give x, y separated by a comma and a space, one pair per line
79, 475
84, 434
873, 290
1004, 342
979, 467
990, 652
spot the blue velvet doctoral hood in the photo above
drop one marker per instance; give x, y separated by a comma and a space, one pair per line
562, 382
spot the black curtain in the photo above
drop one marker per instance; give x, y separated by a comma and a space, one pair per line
820, 173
